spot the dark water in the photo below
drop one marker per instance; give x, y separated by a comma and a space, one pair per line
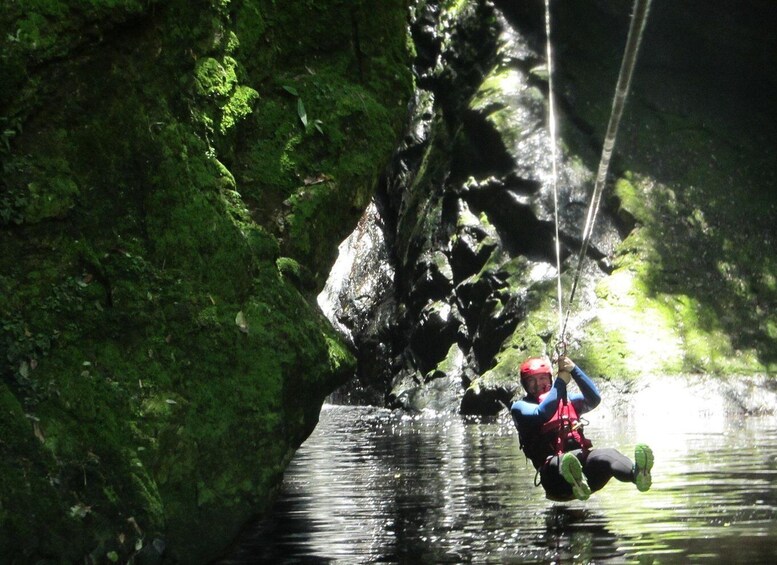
371, 486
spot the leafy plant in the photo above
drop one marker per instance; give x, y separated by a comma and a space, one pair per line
301, 112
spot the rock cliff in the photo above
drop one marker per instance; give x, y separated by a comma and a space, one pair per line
176, 178
678, 278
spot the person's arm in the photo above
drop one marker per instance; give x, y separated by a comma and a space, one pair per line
528, 412
590, 398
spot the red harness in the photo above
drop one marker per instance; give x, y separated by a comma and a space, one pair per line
566, 429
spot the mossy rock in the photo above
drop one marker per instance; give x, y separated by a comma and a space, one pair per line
147, 311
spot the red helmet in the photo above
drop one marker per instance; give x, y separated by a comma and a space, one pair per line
535, 366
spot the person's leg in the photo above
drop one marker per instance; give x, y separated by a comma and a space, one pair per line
556, 488
571, 469
563, 479
602, 464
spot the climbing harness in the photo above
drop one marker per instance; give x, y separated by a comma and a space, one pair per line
566, 428
636, 29
563, 432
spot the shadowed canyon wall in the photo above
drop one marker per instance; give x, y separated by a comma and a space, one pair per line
679, 278
175, 179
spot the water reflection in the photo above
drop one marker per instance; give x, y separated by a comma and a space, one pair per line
374, 486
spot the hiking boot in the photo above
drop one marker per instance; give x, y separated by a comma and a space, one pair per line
643, 463
572, 471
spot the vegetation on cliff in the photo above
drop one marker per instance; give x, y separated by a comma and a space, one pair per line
176, 178
694, 285
678, 279
690, 286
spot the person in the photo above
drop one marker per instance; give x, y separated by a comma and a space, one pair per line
551, 434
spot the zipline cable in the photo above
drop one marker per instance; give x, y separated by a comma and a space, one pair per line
553, 160
636, 29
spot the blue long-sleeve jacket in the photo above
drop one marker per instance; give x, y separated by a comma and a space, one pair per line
529, 416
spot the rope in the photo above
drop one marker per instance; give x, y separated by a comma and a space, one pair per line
553, 159
636, 29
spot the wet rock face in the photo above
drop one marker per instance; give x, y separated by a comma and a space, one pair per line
467, 208
359, 300
468, 203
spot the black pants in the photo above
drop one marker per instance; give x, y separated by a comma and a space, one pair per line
599, 466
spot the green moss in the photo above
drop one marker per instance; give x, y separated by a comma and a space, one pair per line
695, 192
531, 336
501, 83
660, 311
242, 387
250, 28
90, 474
323, 174
239, 105
50, 201
506, 370
341, 359
25, 482
217, 80
631, 201
213, 78
292, 270
140, 216
38, 189
454, 7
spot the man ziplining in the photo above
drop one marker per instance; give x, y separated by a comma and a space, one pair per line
547, 418
551, 435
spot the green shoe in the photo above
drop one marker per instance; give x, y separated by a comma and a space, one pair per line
572, 471
643, 463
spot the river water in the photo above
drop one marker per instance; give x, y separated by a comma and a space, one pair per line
374, 486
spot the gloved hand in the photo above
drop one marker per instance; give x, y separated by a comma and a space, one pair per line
565, 364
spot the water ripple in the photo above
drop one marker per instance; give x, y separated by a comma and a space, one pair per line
373, 486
